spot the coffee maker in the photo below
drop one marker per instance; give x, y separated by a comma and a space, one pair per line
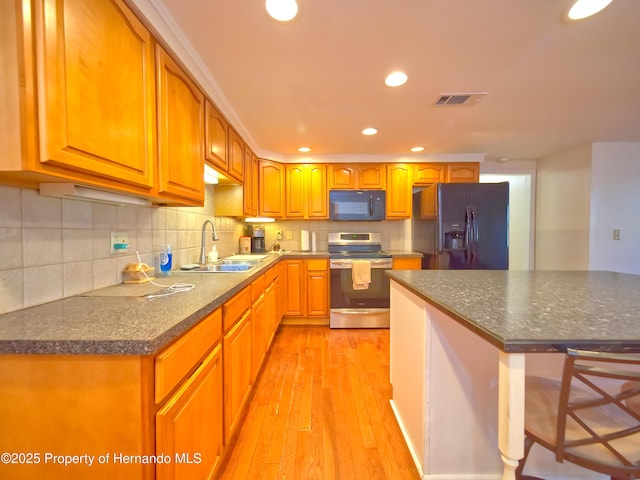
257, 240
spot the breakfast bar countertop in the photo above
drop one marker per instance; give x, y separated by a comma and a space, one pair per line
536, 311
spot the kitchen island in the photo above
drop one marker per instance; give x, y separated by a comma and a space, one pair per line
462, 342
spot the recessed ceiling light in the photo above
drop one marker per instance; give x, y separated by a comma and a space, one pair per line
417, 149
370, 131
395, 79
585, 8
282, 10
304, 149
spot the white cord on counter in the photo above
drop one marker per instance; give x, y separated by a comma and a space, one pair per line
171, 289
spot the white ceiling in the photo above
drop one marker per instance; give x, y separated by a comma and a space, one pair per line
319, 80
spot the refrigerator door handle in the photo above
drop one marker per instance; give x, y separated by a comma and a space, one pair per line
474, 247
468, 237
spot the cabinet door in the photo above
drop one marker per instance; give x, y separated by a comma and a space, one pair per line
181, 131
296, 197
318, 293
408, 263
259, 335
189, 426
236, 155
271, 310
237, 372
317, 197
250, 184
428, 173
98, 91
463, 173
342, 177
271, 189
372, 177
295, 288
216, 135
399, 191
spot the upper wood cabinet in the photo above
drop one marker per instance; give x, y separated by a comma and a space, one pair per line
462, 173
236, 155
250, 185
181, 131
306, 191
428, 173
270, 188
216, 136
399, 190
79, 103
359, 176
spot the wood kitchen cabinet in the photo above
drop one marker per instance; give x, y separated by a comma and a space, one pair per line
307, 288
317, 287
236, 155
216, 138
462, 173
196, 400
79, 103
181, 131
428, 173
407, 263
399, 190
237, 354
359, 176
272, 300
258, 325
198, 403
306, 194
270, 188
250, 198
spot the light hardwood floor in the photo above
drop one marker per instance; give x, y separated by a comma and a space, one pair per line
320, 410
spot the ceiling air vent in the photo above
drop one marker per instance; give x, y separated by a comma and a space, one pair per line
466, 99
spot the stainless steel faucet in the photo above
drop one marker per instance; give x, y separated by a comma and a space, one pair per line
214, 237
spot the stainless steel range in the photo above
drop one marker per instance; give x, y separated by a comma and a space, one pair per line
351, 307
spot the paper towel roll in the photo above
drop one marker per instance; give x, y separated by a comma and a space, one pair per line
304, 240
314, 242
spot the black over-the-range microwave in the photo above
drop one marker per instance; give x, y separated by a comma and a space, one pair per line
357, 204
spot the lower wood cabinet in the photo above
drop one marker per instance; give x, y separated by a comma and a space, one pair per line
238, 374
307, 287
407, 263
189, 428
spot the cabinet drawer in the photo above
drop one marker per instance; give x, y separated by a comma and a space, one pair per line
179, 358
234, 308
318, 264
257, 288
270, 275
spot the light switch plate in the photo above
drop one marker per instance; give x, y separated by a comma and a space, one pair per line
616, 234
119, 242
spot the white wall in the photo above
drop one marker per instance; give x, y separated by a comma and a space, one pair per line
615, 204
563, 203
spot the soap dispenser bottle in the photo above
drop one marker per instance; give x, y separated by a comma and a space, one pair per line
213, 255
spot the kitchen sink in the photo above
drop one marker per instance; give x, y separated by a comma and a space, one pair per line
227, 265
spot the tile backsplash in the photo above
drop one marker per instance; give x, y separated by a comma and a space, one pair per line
54, 248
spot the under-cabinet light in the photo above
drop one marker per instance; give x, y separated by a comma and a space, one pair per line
77, 192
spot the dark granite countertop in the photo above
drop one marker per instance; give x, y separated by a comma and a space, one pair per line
540, 311
121, 320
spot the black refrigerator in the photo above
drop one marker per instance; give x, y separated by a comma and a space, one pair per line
462, 226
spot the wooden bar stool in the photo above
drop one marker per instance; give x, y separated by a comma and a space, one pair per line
591, 417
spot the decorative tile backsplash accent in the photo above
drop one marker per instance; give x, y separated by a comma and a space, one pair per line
54, 248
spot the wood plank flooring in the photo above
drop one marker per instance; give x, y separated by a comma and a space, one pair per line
320, 410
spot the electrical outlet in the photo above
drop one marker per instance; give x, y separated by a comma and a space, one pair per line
279, 235
289, 235
119, 242
616, 234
